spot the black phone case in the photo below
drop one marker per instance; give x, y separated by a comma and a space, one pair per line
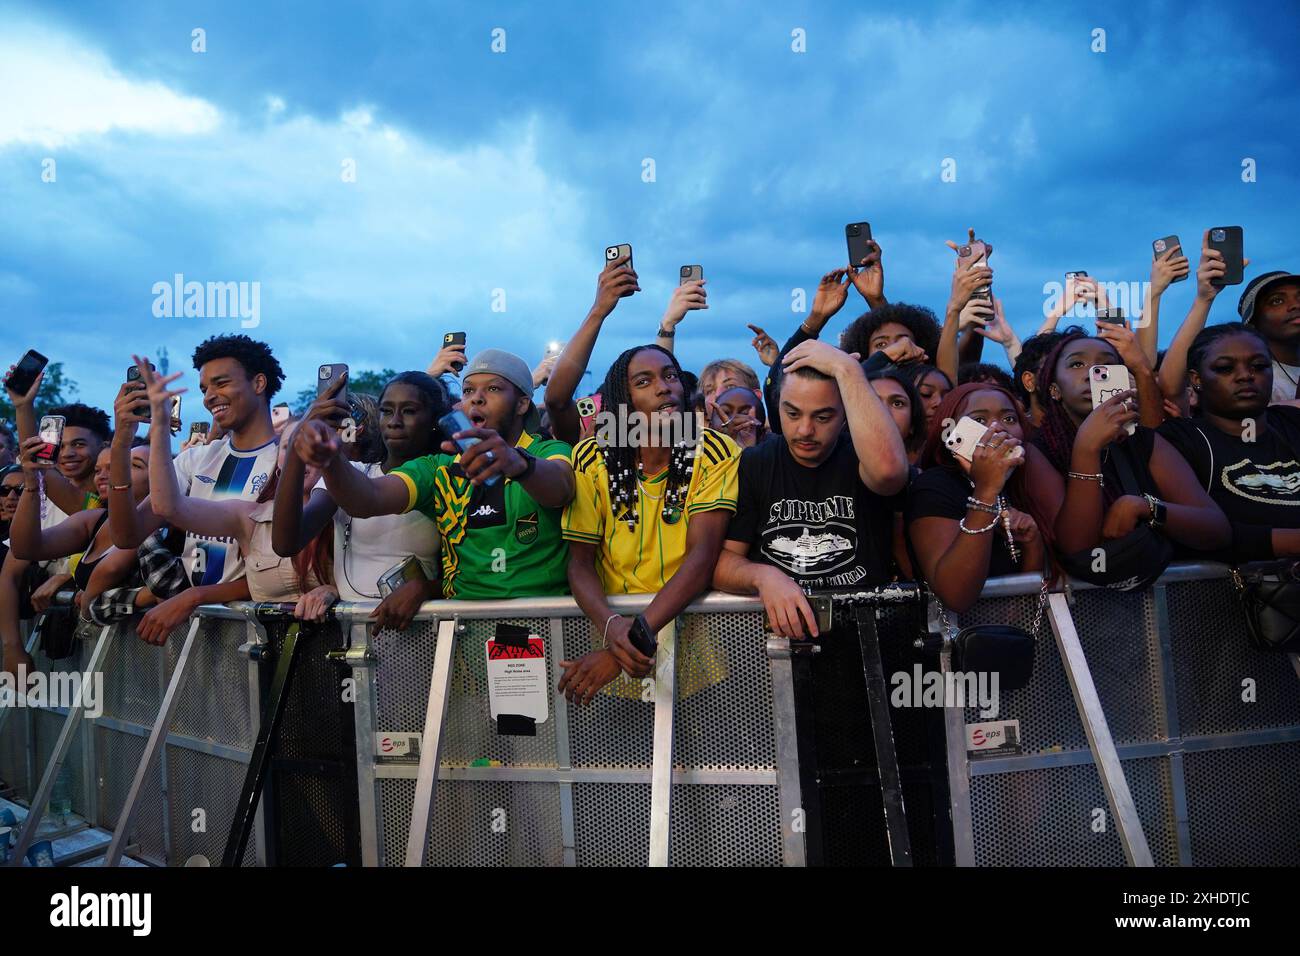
860, 246
1232, 247
22, 378
133, 375
1171, 242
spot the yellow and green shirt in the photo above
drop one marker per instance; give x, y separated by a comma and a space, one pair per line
641, 560
497, 542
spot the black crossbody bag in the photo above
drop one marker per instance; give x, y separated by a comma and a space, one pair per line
1269, 592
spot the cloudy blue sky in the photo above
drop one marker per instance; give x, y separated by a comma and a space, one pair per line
478, 170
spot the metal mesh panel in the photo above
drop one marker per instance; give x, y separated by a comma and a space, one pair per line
470, 732
611, 824
48, 725
1243, 806
313, 802
14, 743
617, 728
213, 704
118, 755
404, 664
853, 817
1212, 657
1117, 633
725, 725
132, 678
725, 826
1045, 817
462, 831
198, 780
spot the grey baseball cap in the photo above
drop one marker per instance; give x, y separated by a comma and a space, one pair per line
515, 371
1255, 288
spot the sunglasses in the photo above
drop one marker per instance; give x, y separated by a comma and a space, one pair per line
7, 490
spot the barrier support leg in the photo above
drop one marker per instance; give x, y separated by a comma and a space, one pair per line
246, 809
882, 734
156, 737
661, 769
954, 725
786, 729
36, 811
1094, 723
362, 658
435, 716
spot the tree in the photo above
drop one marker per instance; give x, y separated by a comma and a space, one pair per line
56, 389
372, 383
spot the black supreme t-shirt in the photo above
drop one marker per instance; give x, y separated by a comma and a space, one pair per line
822, 526
1256, 482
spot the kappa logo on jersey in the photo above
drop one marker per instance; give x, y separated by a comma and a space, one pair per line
483, 511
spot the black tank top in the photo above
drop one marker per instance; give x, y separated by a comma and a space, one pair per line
86, 567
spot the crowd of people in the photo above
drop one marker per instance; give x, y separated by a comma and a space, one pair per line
832, 467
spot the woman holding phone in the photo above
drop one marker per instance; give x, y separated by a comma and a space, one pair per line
84, 534
1114, 483
368, 549
970, 516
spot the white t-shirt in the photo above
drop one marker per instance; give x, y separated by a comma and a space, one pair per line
220, 472
1285, 378
55, 515
365, 548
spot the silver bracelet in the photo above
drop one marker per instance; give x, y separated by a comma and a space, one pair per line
607, 620
962, 525
973, 502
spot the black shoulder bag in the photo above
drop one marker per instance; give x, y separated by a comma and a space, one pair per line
1269, 592
1004, 649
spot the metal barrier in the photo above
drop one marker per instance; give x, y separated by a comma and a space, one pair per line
197, 733
1205, 729
1136, 733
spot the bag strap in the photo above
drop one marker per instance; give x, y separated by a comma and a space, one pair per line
1209, 480
1128, 482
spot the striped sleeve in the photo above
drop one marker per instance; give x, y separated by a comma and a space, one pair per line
584, 516
718, 459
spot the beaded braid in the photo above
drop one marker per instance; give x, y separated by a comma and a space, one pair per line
620, 460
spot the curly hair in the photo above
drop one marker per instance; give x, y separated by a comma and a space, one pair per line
79, 415
253, 356
917, 319
365, 412
985, 372
620, 460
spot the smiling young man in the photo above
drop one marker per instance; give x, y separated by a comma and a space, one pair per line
649, 516
815, 506
499, 540
238, 377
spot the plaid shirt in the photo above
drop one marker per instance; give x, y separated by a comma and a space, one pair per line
163, 571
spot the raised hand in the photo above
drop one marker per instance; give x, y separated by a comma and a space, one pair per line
832, 291
868, 275
616, 281
766, 347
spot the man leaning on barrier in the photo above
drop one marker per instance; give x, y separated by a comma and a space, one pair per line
649, 517
497, 504
815, 505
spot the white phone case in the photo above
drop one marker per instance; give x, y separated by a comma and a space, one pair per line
1108, 381
963, 438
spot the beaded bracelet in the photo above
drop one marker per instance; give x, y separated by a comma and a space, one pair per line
1084, 476
962, 525
973, 502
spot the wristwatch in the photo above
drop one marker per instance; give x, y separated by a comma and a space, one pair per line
530, 465
1158, 511
667, 333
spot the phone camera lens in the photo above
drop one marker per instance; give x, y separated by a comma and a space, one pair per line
963, 251
1160, 245
1218, 235
611, 253
324, 371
